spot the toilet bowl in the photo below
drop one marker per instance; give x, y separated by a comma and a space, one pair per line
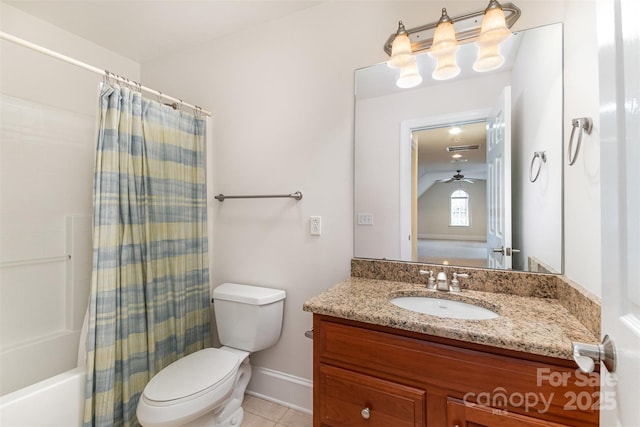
206, 388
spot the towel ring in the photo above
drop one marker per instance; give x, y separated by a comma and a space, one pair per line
584, 124
543, 159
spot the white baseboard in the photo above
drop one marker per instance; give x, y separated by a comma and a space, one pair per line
281, 388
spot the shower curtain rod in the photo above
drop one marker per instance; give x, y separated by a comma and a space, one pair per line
96, 70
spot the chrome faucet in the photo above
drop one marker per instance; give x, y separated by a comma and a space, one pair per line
441, 282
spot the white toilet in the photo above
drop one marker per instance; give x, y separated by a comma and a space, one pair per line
206, 388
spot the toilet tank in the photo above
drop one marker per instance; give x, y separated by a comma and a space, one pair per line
248, 317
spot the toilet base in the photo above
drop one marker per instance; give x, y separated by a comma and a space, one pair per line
231, 414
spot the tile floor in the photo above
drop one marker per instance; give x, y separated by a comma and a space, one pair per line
262, 413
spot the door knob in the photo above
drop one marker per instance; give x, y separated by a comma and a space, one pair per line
506, 251
587, 355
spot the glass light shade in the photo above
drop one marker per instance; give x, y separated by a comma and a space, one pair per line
401, 54
444, 49
409, 76
494, 28
444, 40
489, 58
446, 67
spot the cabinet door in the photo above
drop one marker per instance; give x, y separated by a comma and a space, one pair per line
461, 414
352, 399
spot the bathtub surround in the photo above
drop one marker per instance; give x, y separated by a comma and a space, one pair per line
44, 298
47, 151
149, 303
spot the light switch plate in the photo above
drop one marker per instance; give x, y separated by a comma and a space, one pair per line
315, 225
365, 219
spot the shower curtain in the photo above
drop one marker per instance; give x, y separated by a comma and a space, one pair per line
149, 302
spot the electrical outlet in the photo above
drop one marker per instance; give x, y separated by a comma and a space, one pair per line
315, 225
365, 219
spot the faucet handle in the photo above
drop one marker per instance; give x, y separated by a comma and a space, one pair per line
432, 281
455, 283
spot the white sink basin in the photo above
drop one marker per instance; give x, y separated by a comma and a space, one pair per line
444, 308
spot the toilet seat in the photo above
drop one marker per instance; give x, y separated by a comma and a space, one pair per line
188, 388
190, 377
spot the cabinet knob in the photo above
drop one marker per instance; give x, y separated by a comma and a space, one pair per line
366, 413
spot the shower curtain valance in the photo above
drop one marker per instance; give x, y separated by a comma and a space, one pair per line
54, 54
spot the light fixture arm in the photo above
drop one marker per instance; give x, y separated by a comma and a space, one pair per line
468, 25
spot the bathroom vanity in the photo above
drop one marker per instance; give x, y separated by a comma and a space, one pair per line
376, 364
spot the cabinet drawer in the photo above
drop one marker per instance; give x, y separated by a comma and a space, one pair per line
463, 414
352, 399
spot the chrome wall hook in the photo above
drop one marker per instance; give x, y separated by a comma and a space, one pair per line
584, 125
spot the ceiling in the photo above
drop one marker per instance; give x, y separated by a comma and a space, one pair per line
143, 30
433, 156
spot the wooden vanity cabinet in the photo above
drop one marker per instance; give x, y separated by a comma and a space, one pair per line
367, 375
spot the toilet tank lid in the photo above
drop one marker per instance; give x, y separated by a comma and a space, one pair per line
247, 294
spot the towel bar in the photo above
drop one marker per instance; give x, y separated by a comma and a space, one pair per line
297, 195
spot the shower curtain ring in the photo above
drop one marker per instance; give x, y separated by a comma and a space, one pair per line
159, 96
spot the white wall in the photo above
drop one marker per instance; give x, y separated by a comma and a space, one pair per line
433, 212
35, 77
582, 228
537, 126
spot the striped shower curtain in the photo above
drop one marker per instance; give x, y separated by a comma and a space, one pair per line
149, 301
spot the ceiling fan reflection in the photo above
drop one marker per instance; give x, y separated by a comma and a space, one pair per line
458, 177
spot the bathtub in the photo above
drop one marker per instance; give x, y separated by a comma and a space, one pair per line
56, 401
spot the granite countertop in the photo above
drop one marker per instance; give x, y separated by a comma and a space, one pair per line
533, 325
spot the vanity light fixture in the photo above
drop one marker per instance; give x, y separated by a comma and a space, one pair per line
455, 130
409, 75
444, 49
488, 27
493, 32
401, 54
403, 58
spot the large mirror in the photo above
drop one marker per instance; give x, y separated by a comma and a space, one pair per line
466, 171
